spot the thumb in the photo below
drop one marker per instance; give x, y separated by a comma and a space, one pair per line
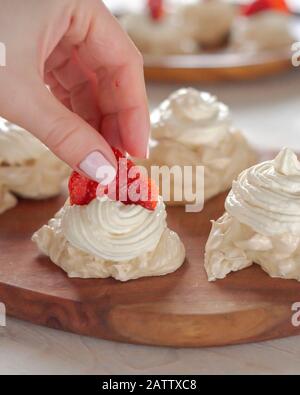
67, 135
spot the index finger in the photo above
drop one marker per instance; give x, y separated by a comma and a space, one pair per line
108, 51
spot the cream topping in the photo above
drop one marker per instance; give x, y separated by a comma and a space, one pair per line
114, 231
261, 223
266, 197
193, 128
161, 254
192, 118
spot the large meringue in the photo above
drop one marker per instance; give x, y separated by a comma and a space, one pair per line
192, 128
261, 223
109, 239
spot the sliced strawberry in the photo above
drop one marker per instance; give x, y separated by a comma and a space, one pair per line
280, 5
82, 190
118, 153
130, 187
156, 8
138, 189
149, 187
264, 5
256, 7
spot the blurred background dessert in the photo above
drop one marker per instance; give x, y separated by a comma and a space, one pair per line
209, 22
187, 27
264, 24
155, 30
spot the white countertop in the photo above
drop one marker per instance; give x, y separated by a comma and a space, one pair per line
268, 111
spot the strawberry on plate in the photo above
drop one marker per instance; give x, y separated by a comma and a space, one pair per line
82, 190
130, 186
156, 8
258, 6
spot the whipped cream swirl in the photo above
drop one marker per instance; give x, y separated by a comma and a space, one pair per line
266, 197
109, 239
192, 118
193, 128
114, 231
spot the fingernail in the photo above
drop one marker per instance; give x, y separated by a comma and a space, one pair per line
97, 167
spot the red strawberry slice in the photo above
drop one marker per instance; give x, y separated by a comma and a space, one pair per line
151, 189
129, 186
156, 8
264, 5
82, 190
280, 5
256, 7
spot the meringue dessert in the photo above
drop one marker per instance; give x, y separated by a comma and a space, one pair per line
192, 128
7, 200
261, 223
209, 22
96, 237
158, 37
266, 30
27, 168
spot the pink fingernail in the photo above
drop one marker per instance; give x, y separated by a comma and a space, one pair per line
97, 167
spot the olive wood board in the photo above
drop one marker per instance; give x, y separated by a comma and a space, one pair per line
181, 309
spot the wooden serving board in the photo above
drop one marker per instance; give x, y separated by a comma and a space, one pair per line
180, 309
215, 67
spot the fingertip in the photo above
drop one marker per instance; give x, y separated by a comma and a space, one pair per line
110, 131
135, 131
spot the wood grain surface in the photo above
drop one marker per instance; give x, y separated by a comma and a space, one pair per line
169, 71
181, 309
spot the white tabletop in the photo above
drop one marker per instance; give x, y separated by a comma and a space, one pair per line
269, 112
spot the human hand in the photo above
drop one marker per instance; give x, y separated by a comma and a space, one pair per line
95, 74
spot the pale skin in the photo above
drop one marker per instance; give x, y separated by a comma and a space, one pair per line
94, 71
